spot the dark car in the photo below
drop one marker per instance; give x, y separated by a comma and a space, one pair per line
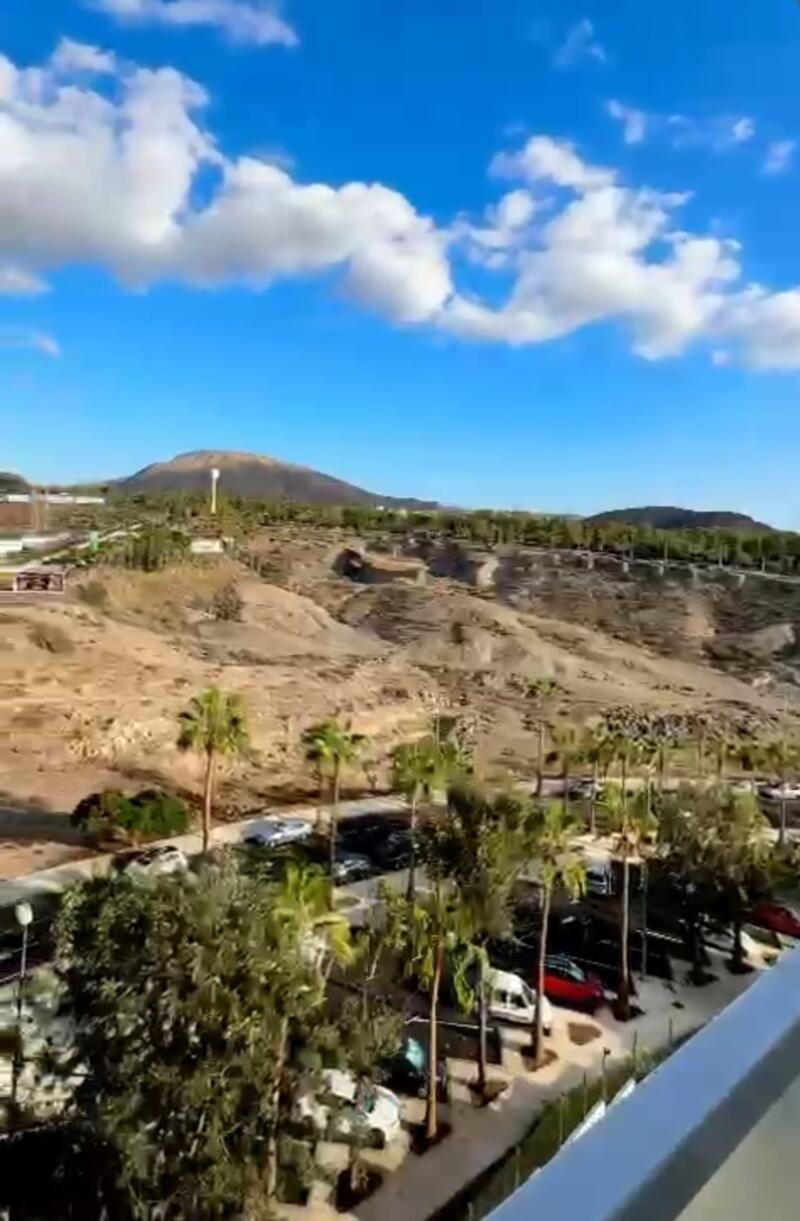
407, 1072
391, 852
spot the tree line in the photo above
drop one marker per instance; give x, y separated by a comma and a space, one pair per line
239, 517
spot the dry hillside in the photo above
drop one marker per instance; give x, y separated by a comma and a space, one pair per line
90, 689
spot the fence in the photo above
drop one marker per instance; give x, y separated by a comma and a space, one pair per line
550, 1130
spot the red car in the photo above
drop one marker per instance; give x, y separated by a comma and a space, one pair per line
778, 917
567, 984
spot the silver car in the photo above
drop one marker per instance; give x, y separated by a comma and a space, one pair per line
278, 831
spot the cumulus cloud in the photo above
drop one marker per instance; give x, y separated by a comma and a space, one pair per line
579, 45
240, 20
77, 57
634, 122
779, 157
126, 176
88, 178
37, 340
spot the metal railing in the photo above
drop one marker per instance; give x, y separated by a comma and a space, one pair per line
654, 1153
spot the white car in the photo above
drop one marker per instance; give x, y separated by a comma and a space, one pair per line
512, 1000
278, 831
155, 861
342, 1108
780, 792
764, 949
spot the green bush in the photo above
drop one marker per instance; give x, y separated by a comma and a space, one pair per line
227, 604
149, 814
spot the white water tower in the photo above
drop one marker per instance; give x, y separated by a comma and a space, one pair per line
214, 482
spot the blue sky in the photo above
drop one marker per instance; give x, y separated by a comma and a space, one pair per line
623, 329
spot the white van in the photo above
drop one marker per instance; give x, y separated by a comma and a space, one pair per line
512, 1000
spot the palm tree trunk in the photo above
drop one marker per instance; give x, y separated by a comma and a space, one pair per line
482, 1028
208, 797
565, 783
540, 761
432, 1116
623, 992
782, 830
662, 770
538, 1036
332, 829
623, 767
272, 1143
412, 864
701, 753
593, 801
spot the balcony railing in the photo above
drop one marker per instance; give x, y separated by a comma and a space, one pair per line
713, 1133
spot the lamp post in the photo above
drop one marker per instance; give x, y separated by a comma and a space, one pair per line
24, 914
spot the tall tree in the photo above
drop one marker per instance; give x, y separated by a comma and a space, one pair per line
416, 770
178, 995
560, 868
332, 747
482, 848
781, 757
429, 934
568, 752
541, 692
739, 859
598, 750
631, 820
214, 724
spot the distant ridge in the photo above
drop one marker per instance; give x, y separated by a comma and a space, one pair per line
668, 517
256, 477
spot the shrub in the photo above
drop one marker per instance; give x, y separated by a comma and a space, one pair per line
227, 604
94, 593
50, 637
149, 814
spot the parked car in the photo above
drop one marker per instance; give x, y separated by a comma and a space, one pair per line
348, 867
342, 1108
155, 861
568, 984
779, 917
512, 1000
779, 792
585, 790
278, 831
600, 878
755, 950
408, 1072
391, 852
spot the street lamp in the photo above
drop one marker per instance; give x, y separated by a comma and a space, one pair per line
24, 914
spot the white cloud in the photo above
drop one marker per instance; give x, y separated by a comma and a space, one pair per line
85, 179
37, 340
556, 161
580, 44
77, 57
16, 282
109, 177
779, 157
245, 21
634, 122
721, 133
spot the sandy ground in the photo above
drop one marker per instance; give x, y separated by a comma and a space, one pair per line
90, 692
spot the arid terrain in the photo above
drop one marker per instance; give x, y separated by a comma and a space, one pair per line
90, 688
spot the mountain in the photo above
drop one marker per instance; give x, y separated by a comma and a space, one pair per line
256, 477
668, 517
10, 481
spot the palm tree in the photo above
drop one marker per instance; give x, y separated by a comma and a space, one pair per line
628, 752
428, 933
739, 859
416, 769
214, 724
568, 751
482, 848
597, 750
631, 821
561, 868
302, 907
781, 757
332, 747
540, 692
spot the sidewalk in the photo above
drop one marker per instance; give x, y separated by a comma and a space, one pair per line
480, 1137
